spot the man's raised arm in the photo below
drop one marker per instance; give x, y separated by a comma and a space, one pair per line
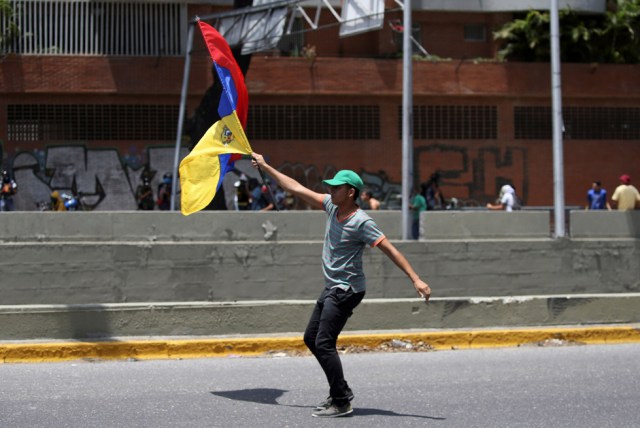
288, 184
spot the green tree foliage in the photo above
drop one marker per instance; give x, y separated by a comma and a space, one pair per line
8, 28
619, 37
610, 38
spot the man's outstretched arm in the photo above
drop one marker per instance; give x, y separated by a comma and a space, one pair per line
396, 256
287, 183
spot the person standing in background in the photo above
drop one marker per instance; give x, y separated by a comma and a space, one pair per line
506, 199
432, 193
57, 203
597, 197
626, 196
242, 198
368, 201
144, 195
164, 192
9, 188
417, 205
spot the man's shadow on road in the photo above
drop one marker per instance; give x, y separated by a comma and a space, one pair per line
271, 395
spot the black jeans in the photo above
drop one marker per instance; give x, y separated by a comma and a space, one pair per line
332, 310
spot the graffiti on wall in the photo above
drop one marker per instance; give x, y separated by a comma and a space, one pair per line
107, 182
473, 176
311, 177
99, 177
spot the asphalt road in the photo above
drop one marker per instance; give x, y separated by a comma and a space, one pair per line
574, 386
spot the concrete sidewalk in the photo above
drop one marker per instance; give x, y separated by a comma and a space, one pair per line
207, 347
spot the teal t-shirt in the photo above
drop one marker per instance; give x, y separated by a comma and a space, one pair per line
344, 243
419, 204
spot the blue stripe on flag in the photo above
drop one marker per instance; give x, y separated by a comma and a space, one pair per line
226, 106
226, 165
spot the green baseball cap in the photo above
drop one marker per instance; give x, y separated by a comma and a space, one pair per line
346, 176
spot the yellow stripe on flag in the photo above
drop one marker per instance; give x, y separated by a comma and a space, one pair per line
200, 170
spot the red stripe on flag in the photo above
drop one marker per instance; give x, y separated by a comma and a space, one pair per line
221, 53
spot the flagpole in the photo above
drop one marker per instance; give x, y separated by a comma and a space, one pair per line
181, 113
264, 182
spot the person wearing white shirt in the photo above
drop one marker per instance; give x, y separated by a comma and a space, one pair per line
505, 201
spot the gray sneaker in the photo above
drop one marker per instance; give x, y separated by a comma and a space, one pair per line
327, 403
333, 411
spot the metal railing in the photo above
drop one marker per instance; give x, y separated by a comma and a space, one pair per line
98, 28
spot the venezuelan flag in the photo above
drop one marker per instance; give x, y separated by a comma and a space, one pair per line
202, 171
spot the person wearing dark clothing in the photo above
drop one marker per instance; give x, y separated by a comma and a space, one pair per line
164, 192
144, 195
258, 200
432, 193
349, 230
242, 199
9, 188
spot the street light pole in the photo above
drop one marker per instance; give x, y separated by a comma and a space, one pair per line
556, 96
407, 120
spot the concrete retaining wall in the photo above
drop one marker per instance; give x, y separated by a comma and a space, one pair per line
82, 273
87, 258
299, 225
91, 275
605, 224
156, 226
473, 225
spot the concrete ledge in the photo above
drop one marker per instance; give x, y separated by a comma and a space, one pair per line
215, 226
605, 224
36, 322
461, 225
220, 226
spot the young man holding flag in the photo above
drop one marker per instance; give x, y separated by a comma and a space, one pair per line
348, 230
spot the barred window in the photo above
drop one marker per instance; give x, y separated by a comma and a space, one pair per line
455, 122
475, 33
98, 28
38, 122
314, 122
580, 123
532, 123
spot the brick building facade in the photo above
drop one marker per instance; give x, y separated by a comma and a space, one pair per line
479, 123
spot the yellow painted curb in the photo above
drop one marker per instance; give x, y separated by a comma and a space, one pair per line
220, 347
461, 339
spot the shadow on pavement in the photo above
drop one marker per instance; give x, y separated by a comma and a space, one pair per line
361, 411
270, 396
256, 395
